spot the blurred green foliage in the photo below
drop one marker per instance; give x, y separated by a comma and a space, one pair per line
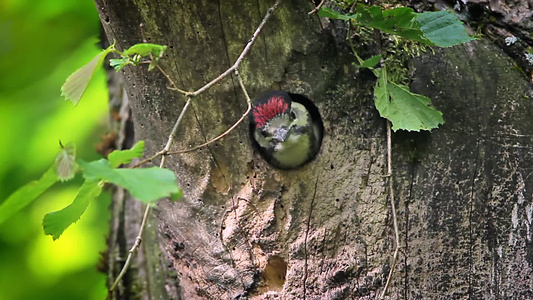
41, 44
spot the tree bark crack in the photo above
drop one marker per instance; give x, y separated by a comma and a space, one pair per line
406, 248
473, 188
306, 237
263, 36
226, 48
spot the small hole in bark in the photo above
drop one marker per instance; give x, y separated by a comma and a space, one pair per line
331, 166
273, 275
106, 19
337, 200
199, 200
171, 47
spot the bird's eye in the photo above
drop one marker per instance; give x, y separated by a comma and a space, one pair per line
263, 133
293, 115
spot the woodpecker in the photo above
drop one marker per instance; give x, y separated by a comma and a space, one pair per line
286, 129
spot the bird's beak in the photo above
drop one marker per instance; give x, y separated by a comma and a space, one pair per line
281, 134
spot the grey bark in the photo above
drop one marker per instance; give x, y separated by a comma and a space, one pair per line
245, 230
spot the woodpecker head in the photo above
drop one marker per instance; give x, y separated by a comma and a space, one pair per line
286, 129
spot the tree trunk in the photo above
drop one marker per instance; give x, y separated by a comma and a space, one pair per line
245, 230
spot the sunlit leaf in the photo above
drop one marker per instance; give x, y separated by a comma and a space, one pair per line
26, 194
65, 164
77, 82
145, 49
119, 63
147, 184
55, 223
118, 157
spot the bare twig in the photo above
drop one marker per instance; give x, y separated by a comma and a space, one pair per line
243, 53
147, 210
165, 151
317, 8
393, 208
232, 127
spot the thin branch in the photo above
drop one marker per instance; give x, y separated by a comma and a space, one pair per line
249, 102
174, 86
317, 8
243, 53
393, 208
164, 153
148, 207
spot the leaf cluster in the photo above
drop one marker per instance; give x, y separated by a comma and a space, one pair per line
147, 185
395, 102
77, 82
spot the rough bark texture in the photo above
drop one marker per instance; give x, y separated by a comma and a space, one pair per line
244, 230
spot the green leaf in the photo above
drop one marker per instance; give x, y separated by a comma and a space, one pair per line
398, 21
77, 82
147, 184
176, 196
145, 49
119, 63
26, 194
55, 223
443, 28
65, 164
118, 157
406, 110
371, 62
329, 13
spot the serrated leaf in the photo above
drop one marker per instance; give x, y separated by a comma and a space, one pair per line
145, 49
77, 82
65, 163
118, 157
440, 28
443, 28
55, 223
147, 184
398, 21
371, 62
26, 194
406, 110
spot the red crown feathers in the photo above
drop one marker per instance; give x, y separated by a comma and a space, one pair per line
264, 112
